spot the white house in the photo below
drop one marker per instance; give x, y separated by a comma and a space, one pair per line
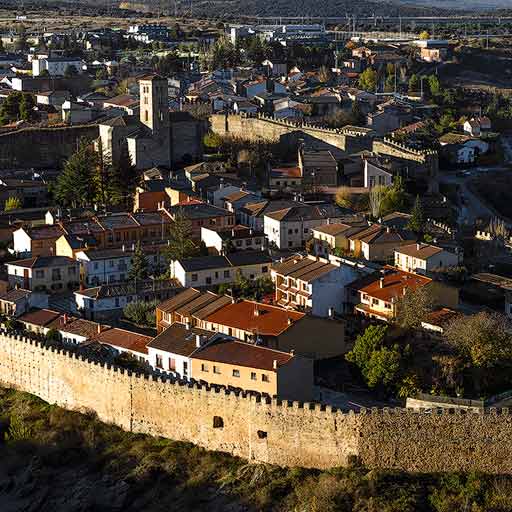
476, 125
237, 238
113, 265
316, 284
292, 227
214, 270
56, 66
422, 258
171, 350
376, 176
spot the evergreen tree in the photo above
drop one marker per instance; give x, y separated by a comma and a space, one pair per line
77, 185
414, 83
122, 179
180, 244
139, 270
417, 220
368, 80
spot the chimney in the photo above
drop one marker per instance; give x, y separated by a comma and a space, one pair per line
198, 340
381, 282
274, 364
418, 246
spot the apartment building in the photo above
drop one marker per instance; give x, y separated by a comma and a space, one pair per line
314, 284
291, 228
205, 271
51, 274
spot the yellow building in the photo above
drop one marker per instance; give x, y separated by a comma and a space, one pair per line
242, 365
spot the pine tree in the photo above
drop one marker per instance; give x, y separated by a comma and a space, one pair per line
417, 220
122, 180
77, 185
139, 269
180, 244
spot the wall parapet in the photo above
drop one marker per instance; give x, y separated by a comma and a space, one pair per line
308, 434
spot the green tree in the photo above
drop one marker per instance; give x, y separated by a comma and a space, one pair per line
16, 106
414, 307
26, 108
139, 269
383, 367
379, 365
212, 141
395, 199
121, 180
417, 220
77, 185
13, 203
414, 83
180, 244
372, 339
368, 80
434, 85
484, 338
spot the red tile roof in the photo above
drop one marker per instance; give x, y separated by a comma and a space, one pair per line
123, 339
238, 353
40, 317
255, 317
394, 284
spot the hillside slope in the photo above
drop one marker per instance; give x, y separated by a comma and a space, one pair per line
52, 460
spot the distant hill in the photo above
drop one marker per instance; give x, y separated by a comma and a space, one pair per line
305, 8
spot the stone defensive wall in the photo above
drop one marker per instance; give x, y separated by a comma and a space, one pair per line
42, 147
262, 127
256, 428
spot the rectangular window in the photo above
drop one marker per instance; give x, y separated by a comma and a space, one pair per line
253, 376
194, 277
236, 373
204, 367
264, 377
172, 364
216, 370
159, 361
40, 274
226, 273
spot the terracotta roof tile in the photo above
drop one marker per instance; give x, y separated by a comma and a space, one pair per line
255, 317
239, 353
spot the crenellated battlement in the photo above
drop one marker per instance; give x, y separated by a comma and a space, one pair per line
256, 426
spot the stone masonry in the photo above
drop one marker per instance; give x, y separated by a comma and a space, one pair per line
259, 429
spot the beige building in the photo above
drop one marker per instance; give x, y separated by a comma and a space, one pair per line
241, 365
52, 274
